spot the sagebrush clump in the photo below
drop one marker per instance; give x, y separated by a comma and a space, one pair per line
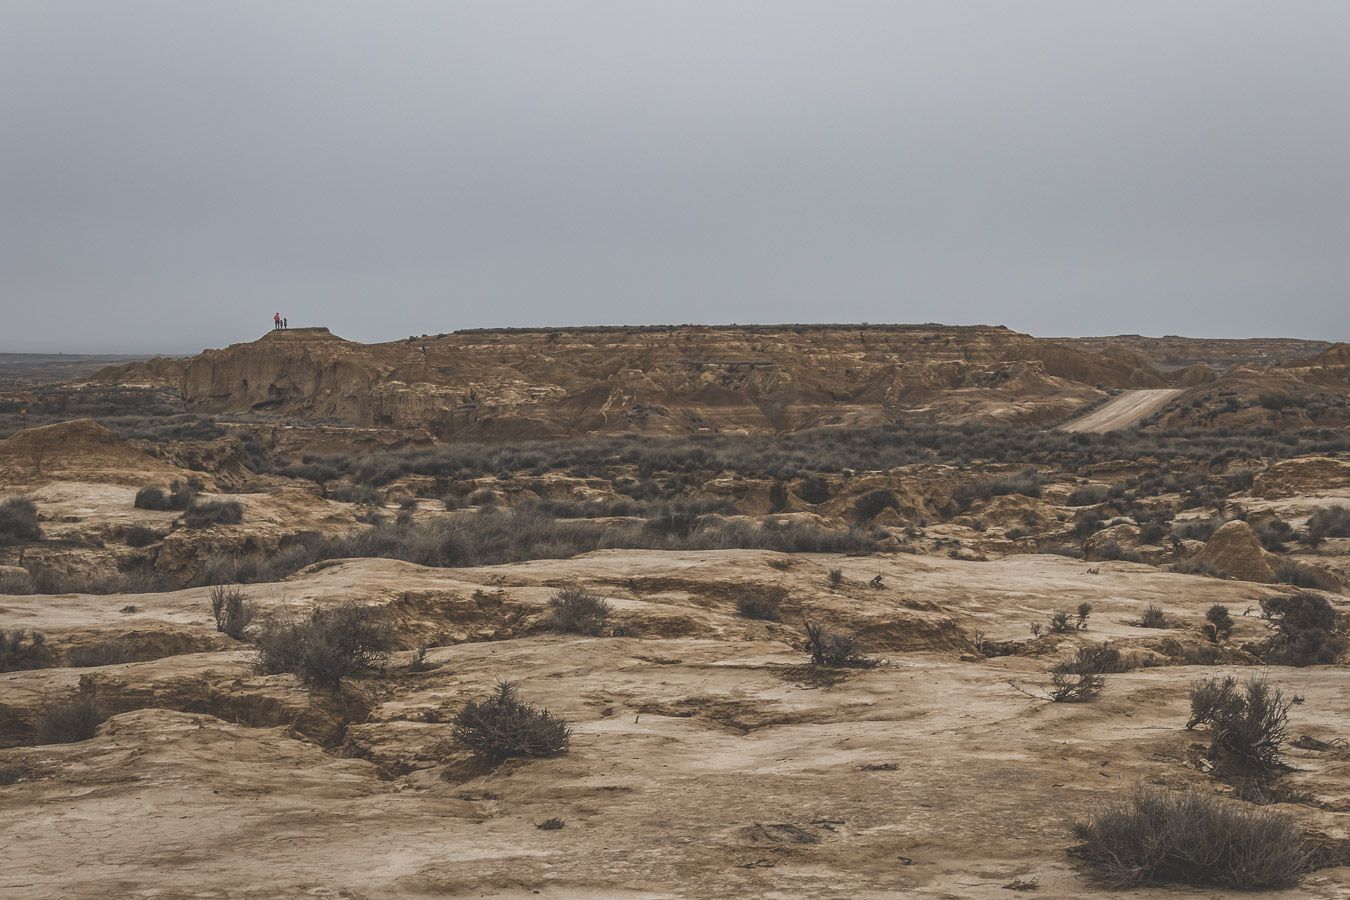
18, 521
1173, 837
21, 650
759, 606
501, 726
179, 496
206, 513
329, 645
69, 721
1307, 630
575, 610
836, 650
1248, 726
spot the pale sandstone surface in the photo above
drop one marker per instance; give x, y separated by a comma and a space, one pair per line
703, 765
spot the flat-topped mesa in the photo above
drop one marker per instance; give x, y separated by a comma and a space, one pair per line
522, 383
519, 383
308, 333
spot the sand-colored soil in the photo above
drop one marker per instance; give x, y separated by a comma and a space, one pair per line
705, 761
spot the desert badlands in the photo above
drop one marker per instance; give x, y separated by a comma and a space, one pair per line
800, 611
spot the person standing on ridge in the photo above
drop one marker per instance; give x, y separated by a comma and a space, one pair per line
276, 321
285, 323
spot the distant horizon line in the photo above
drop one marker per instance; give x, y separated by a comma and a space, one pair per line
753, 326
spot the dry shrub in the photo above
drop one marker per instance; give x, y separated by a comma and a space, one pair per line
836, 577
1170, 837
1074, 687
575, 610
178, 497
1290, 572
836, 650
232, 611
1306, 631
140, 536
330, 645
18, 521
1332, 521
759, 606
501, 726
68, 721
21, 650
1219, 623
206, 513
1097, 659
1248, 727
1153, 617
107, 653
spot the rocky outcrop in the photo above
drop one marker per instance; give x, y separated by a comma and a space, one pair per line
511, 384
79, 450
1235, 550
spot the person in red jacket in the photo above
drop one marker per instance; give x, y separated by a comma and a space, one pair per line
276, 321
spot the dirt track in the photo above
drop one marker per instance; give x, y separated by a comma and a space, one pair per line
1123, 411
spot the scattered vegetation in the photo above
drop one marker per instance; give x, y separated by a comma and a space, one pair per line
759, 606
68, 721
1168, 837
502, 726
179, 496
20, 650
1311, 577
206, 513
141, 536
1332, 521
575, 610
327, 646
18, 521
1095, 659
1027, 482
836, 578
873, 503
104, 653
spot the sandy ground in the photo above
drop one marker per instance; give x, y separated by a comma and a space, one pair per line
703, 763
1122, 412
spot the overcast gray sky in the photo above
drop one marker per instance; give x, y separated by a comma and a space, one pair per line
172, 173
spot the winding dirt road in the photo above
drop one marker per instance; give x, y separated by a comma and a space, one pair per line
1122, 412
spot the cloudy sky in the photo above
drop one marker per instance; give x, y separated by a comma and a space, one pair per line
173, 173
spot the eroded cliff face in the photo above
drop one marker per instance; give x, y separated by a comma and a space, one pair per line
541, 383
511, 384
